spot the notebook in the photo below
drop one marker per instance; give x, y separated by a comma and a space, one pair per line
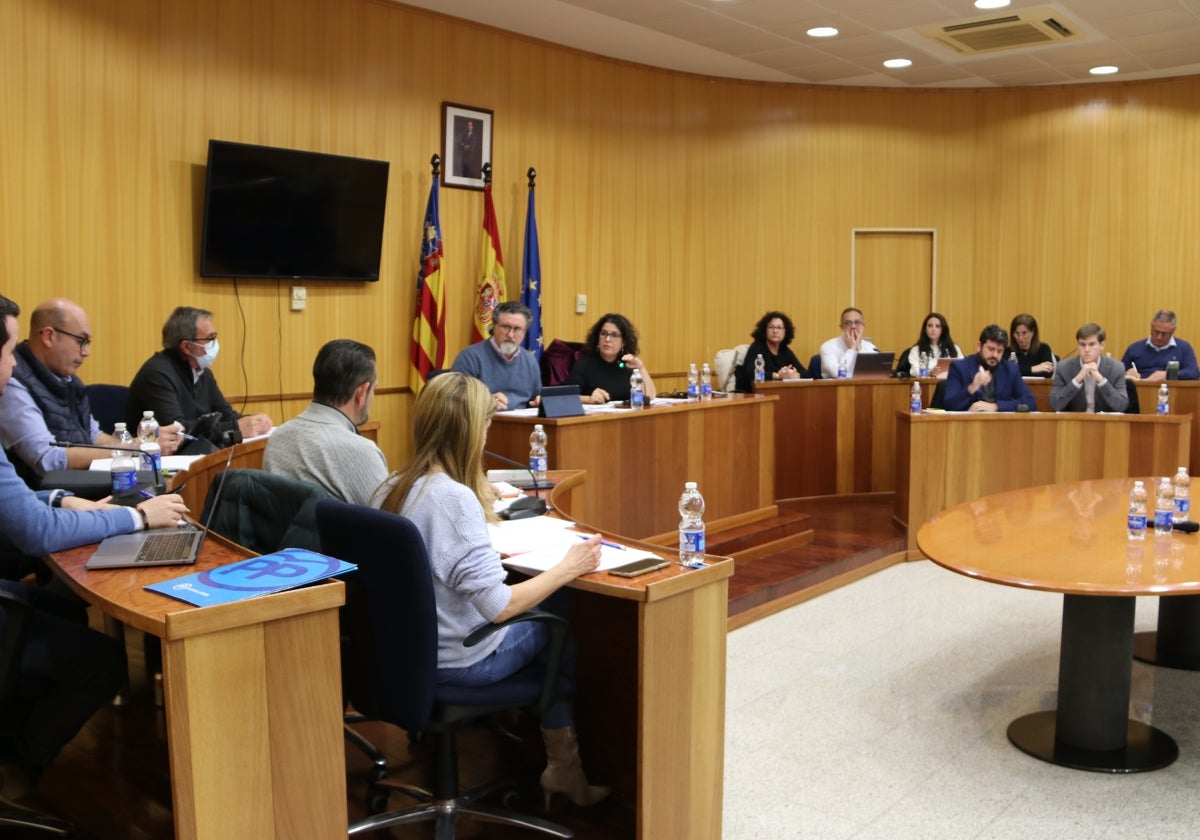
160, 547
874, 365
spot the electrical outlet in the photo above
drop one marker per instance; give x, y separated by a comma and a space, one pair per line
299, 298
580, 304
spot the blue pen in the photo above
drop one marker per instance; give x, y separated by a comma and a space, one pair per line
145, 495
186, 436
617, 546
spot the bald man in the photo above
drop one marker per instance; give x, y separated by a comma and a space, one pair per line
46, 401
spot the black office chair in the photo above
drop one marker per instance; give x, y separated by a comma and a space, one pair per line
108, 405
938, 400
391, 675
814, 366
1135, 406
15, 611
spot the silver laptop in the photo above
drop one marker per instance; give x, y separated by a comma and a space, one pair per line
160, 547
874, 365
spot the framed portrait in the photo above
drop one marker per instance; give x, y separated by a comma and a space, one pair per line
466, 145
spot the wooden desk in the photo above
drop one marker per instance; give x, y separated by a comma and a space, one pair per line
638, 461
944, 459
253, 699
1071, 538
837, 436
651, 683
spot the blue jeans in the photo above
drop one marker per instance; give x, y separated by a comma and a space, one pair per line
523, 645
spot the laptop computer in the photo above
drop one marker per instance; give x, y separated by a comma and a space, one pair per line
874, 365
160, 547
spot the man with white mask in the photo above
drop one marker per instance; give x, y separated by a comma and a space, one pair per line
177, 385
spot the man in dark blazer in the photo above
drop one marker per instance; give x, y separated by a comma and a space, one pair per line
985, 381
1090, 381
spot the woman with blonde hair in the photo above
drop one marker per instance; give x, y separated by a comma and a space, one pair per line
445, 493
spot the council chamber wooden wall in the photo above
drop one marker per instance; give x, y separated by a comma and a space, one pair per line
690, 204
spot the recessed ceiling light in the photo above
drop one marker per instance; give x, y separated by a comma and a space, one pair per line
991, 4
897, 63
1104, 70
822, 32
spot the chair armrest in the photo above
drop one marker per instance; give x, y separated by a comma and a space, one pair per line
558, 637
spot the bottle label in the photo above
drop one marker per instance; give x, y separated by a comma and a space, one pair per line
1164, 408
1162, 518
1137, 522
637, 399
152, 461
915, 405
537, 463
1183, 505
693, 390
691, 542
124, 480
706, 389
760, 375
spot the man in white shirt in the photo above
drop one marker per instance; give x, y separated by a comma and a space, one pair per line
846, 346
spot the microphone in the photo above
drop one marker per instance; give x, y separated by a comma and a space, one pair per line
534, 510
1186, 527
160, 486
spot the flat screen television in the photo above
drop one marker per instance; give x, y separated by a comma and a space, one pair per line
283, 213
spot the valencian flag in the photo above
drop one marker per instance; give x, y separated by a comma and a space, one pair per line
531, 278
429, 325
491, 271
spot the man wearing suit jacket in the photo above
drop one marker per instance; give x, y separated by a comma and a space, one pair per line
1091, 381
985, 381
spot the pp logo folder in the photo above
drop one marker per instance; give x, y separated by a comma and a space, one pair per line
263, 575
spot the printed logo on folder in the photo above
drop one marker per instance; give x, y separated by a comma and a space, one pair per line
263, 575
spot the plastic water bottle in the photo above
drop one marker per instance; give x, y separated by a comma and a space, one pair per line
693, 388
705, 382
148, 443
1137, 511
1164, 507
691, 526
1164, 399
923, 365
914, 399
538, 462
760, 369
1183, 495
637, 390
148, 428
123, 470
843, 368
1012, 357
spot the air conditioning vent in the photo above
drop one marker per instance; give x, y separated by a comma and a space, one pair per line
1027, 28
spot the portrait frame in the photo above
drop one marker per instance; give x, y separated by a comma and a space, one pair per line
463, 156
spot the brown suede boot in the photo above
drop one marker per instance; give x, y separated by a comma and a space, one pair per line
564, 771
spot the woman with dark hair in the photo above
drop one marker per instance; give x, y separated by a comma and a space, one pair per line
935, 342
444, 492
772, 336
609, 353
1033, 357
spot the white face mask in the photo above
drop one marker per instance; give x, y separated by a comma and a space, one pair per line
210, 354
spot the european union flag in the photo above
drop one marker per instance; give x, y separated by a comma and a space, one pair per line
531, 281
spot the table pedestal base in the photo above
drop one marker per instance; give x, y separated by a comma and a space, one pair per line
1177, 642
1146, 748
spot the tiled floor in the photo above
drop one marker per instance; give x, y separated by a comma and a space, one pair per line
879, 710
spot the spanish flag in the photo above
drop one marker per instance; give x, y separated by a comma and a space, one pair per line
429, 325
491, 271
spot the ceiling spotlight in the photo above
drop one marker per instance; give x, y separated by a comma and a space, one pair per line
897, 63
991, 4
1104, 70
822, 32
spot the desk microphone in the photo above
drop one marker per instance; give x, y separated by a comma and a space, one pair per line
1186, 527
160, 486
536, 486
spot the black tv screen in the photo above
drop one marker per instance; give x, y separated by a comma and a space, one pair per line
283, 213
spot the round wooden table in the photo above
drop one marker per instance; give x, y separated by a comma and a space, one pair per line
1071, 538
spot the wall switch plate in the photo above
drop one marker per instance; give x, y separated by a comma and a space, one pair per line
580, 304
299, 298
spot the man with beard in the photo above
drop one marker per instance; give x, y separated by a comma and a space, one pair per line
1091, 381
322, 445
510, 373
985, 381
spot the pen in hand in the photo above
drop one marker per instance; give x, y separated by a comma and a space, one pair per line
608, 543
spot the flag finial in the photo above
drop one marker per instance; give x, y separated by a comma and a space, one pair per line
487, 173
532, 173
436, 163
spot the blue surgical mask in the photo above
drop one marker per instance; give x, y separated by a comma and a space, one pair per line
210, 355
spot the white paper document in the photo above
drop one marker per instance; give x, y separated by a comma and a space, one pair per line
170, 463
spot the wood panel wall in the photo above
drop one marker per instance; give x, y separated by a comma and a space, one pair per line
690, 204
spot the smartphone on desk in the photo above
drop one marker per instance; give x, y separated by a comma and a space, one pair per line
640, 567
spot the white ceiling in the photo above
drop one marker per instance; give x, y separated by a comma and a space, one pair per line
765, 40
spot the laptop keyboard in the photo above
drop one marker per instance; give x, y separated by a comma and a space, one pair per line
166, 547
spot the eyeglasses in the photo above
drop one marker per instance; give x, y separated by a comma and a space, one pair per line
615, 336
212, 337
85, 341
775, 327
512, 329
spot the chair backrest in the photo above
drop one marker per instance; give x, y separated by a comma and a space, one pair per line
14, 610
390, 616
725, 366
266, 512
814, 366
557, 359
1135, 405
107, 403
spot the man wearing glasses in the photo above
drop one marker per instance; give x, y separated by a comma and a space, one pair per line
509, 372
177, 385
47, 402
845, 348
1148, 359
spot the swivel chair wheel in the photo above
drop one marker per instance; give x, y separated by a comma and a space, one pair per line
511, 800
376, 775
377, 801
